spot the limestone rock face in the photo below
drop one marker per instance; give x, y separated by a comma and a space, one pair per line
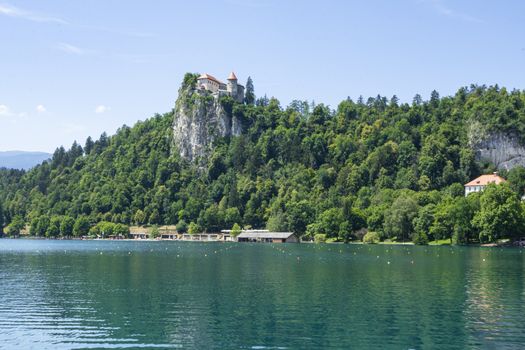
199, 120
502, 150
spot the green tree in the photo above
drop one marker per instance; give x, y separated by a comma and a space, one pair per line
299, 214
398, 219
330, 222
182, 226
121, 230
500, 214
278, 222
249, 96
66, 226
140, 217
236, 230
355, 220
422, 224
443, 225
42, 225
89, 145
16, 225
155, 218
105, 228
154, 232
81, 226
516, 179
53, 230
33, 226
463, 213
194, 228
453, 219
212, 219
231, 216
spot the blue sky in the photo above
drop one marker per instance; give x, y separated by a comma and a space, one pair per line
70, 69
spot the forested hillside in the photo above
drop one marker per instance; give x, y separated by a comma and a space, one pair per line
394, 170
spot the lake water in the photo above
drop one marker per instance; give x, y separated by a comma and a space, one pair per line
115, 294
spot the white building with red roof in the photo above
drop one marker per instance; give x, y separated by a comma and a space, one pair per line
478, 184
207, 82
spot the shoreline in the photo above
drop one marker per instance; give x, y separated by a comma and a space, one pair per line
481, 245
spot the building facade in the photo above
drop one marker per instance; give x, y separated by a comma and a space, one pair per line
265, 236
478, 184
207, 82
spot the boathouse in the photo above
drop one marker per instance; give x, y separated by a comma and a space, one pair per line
266, 236
139, 235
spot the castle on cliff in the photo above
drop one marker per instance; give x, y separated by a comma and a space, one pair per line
206, 82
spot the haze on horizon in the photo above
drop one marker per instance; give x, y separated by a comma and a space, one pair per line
70, 71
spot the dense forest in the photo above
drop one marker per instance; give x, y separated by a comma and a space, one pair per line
372, 169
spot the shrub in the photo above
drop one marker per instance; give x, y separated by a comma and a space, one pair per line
236, 230
371, 238
154, 232
190, 81
320, 238
121, 230
106, 228
14, 228
420, 238
194, 228
182, 227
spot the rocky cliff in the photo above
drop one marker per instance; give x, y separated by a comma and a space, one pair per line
199, 120
504, 151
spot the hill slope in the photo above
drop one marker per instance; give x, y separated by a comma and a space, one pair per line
378, 165
21, 159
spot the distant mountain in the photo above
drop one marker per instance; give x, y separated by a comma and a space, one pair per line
21, 159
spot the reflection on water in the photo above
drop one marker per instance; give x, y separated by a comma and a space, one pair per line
96, 294
495, 297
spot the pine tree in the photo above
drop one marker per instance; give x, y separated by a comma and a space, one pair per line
249, 98
89, 145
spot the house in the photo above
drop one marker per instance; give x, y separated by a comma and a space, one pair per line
266, 236
478, 184
207, 82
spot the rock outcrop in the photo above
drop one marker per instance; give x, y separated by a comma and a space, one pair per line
199, 120
504, 151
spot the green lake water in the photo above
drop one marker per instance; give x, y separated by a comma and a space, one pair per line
115, 294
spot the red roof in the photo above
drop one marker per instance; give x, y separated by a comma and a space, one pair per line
484, 180
232, 76
210, 77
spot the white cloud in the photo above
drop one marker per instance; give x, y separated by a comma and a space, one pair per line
72, 49
13, 116
4, 110
9, 114
12, 11
102, 109
41, 109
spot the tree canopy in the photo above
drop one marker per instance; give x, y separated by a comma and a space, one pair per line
393, 168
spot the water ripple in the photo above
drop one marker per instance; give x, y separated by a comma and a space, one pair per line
66, 295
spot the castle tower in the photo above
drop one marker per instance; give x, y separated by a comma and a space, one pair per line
232, 85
